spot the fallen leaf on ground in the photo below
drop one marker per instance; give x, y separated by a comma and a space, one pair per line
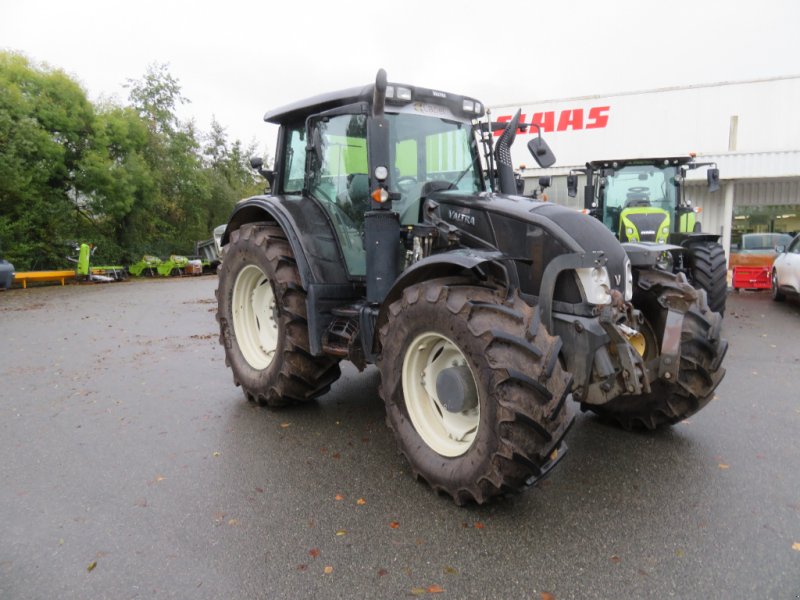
302, 567
450, 571
547, 596
382, 572
233, 522
394, 524
338, 497
724, 466
478, 525
285, 425
361, 502
91, 566
341, 532
216, 454
796, 546
327, 570
418, 591
313, 553
616, 559
435, 589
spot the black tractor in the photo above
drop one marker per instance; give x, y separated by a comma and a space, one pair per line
644, 200
393, 235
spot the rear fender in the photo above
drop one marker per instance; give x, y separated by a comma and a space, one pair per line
316, 252
308, 230
265, 208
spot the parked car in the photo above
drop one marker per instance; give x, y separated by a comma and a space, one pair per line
786, 271
6, 274
757, 249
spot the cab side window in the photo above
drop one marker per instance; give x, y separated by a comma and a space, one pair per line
294, 166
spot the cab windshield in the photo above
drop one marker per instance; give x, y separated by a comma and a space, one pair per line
639, 186
426, 153
430, 150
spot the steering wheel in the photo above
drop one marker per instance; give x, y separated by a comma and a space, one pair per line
406, 182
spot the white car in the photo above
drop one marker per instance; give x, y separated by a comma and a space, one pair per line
786, 271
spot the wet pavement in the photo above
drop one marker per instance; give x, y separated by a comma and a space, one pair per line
133, 468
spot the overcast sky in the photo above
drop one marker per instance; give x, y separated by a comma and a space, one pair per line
236, 59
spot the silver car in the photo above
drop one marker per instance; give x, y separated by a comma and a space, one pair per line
786, 271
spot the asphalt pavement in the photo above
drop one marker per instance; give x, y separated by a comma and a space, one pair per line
133, 468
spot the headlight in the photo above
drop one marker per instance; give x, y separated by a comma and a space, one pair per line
665, 261
628, 280
595, 284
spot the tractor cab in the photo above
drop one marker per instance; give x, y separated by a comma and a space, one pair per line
642, 200
377, 151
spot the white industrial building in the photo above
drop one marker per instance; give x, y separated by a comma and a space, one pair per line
751, 129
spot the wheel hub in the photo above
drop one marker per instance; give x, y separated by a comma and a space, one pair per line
441, 394
255, 317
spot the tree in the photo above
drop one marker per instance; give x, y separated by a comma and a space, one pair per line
132, 179
45, 122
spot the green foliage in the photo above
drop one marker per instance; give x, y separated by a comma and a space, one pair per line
130, 179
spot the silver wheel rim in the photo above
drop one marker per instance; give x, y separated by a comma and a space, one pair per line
254, 317
446, 433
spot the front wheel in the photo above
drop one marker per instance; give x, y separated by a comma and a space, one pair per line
473, 386
709, 271
261, 312
777, 295
699, 371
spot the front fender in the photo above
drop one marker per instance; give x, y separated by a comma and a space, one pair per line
482, 263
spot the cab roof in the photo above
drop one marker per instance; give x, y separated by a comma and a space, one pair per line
303, 108
659, 161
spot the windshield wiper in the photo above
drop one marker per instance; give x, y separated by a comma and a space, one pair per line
460, 176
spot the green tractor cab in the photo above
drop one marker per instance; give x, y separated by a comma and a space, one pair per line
644, 201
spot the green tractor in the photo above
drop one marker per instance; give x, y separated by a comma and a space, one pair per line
383, 241
644, 200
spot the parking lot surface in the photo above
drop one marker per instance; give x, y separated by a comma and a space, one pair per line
133, 468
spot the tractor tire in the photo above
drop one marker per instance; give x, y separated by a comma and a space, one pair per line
261, 310
699, 371
709, 272
510, 367
775, 291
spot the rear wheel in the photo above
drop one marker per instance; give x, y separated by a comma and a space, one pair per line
709, 270
699, 372
474, 390
261, 312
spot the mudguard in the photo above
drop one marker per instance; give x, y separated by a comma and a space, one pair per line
482, 262
317, 252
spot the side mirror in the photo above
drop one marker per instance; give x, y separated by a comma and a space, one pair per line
541, 152
545, 181
257, 164
780, 249
572, 185
713, 179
